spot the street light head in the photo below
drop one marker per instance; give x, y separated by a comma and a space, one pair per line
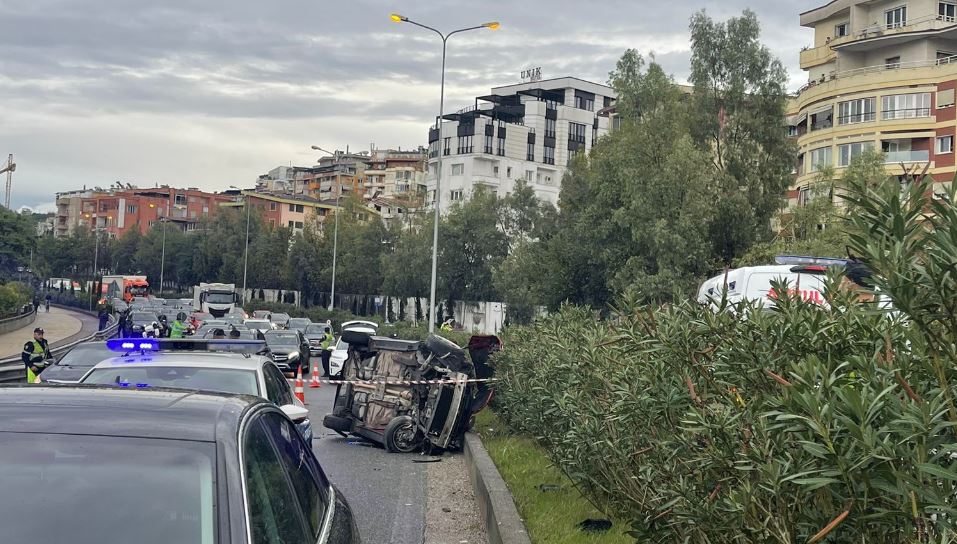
494, 25
317, 148
396, 18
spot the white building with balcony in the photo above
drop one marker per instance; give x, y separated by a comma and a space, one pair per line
525, 131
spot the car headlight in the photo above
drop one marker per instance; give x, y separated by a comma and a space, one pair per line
294, 355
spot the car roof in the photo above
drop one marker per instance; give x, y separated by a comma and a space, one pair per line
187, 359
111, 411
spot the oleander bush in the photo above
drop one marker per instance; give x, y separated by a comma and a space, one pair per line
800, 423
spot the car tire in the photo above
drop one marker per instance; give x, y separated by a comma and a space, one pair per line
442, 347
401, 435
339, 424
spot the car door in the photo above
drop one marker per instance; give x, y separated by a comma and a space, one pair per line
287, 495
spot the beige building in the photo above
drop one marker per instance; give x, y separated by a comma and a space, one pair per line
881, 75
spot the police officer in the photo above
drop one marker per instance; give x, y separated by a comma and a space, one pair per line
179, 327
35, 354
102, 313
325, 354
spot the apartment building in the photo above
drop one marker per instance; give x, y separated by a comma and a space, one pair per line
524, 131
115, 211
881, 75
396, 174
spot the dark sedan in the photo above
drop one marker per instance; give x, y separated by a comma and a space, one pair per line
289, 350
76, 362
140, 320
90, 465
298, 323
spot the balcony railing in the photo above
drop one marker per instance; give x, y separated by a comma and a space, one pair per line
878, 68
905, 113
856, 118
894, 157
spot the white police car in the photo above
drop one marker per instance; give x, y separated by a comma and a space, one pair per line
226, 366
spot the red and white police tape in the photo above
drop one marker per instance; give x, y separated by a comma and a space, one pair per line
409, 382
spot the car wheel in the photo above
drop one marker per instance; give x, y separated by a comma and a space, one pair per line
401, 436
440, 346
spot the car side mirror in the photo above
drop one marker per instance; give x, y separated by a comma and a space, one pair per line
295, 412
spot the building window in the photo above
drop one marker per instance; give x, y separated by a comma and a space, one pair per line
495, 171
500, 148
804, 196
840, 30
905, 106
292, 224
131, 209
488, 144
300, 208
820, 158
272, 206
576, 132
847, 152
448, 146
892, 63
549, 157
458, 169
947, 11
530, 152
945, 144
945, 98
292, 207
434, 149
179, 199
298, 224
551, 104
792, 131
895, 18
822, 119
549, 128
465, 145
529, 175
455, 196
508, 172
583, 103
856, 111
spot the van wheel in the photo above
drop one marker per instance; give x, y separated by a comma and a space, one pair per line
401, 436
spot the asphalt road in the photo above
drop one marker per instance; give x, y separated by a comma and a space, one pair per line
387, 492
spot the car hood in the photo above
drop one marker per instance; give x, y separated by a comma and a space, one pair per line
284, 349
65, 373
314, 336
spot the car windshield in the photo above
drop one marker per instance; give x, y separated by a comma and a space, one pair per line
342, 345
220, 298
282, 339
138, 290
86, 355
280, 317
224, 380
90, 489
315, 329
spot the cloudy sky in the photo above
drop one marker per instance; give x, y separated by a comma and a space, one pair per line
212, 93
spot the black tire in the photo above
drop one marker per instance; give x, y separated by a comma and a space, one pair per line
442, 347
401, 436
339, 424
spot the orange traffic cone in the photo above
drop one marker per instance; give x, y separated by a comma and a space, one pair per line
298, 390
314, 380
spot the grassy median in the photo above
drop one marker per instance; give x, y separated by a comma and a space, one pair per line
547, 501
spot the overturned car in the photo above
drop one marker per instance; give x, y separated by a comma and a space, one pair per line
409, 395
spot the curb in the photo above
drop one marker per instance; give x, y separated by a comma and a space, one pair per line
502, 522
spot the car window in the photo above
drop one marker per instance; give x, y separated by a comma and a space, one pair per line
224, 380
272, 507
92, 489
88, 355
277, 388
297, 462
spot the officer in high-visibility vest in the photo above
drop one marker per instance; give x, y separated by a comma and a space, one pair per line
35, 354
178, 328
327, 341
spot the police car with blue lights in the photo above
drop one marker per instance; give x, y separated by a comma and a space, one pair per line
100, 464
225, 366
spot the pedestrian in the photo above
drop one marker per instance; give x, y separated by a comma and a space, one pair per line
102, 313
35, 354
36, 303
326, 352
178, 328
46, 303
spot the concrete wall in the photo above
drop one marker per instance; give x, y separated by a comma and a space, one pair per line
16, 323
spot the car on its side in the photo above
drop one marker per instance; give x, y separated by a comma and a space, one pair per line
340, 348
279, 320
289, 350
222, 372
298, 323
176, 466
71, 366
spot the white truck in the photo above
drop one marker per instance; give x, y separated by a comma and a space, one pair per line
216, 299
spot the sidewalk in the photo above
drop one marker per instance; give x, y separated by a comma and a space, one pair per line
57, 325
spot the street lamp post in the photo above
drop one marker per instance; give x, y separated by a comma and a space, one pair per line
438, 171
335, 233
163, 255
246, 205
96, 251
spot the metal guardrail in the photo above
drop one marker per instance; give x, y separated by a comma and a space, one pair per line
12, 370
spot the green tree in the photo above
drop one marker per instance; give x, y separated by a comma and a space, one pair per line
470, 246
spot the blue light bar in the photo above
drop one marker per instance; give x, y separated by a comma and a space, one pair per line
126, 345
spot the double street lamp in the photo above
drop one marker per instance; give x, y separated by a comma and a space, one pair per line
335, 235
438, 171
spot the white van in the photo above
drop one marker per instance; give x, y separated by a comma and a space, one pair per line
804, 276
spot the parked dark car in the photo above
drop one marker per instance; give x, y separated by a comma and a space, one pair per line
298, 323
289, 350
404, 416
139, 320
315, 333
71, 366
178, 466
